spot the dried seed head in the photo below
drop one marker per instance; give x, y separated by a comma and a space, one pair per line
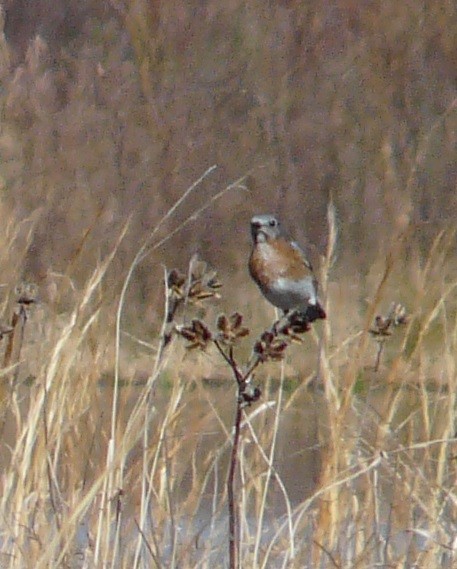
194, 287
230, 329
197, 334
27, 293
176, 279
222, 324
269, 347
213, 282
199, 283
383, 325
203, 283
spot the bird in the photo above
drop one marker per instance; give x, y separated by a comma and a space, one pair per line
282, 271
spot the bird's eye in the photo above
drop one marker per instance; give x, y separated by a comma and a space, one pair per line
273, 223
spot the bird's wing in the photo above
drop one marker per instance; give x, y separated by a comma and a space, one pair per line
304, 258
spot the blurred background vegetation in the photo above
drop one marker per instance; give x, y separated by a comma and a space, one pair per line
113, 109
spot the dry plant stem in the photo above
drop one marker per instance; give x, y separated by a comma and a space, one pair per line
9, 347
82, 242
22, 322
170, 501
233, 514
145, 490
324, 369
242, 378
351, 374
52, 496
234, 560
146, 543
378, 356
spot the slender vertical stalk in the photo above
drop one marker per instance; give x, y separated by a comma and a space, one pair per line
23, 321
378, 356
233, 517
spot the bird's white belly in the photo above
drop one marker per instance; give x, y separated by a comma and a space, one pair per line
286, 294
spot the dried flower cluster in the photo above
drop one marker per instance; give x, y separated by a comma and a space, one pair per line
196, 286
26, 293
230, 329
26, 296
270, 347
384, 326
197, 334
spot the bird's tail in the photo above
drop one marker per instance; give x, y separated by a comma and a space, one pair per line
314, 312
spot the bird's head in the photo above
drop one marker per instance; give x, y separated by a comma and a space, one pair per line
264, 227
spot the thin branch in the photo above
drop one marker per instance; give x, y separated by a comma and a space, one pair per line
233, 514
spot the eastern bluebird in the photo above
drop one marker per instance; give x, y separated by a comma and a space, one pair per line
282, 271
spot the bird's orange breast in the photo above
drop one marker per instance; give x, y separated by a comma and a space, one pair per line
270, 261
